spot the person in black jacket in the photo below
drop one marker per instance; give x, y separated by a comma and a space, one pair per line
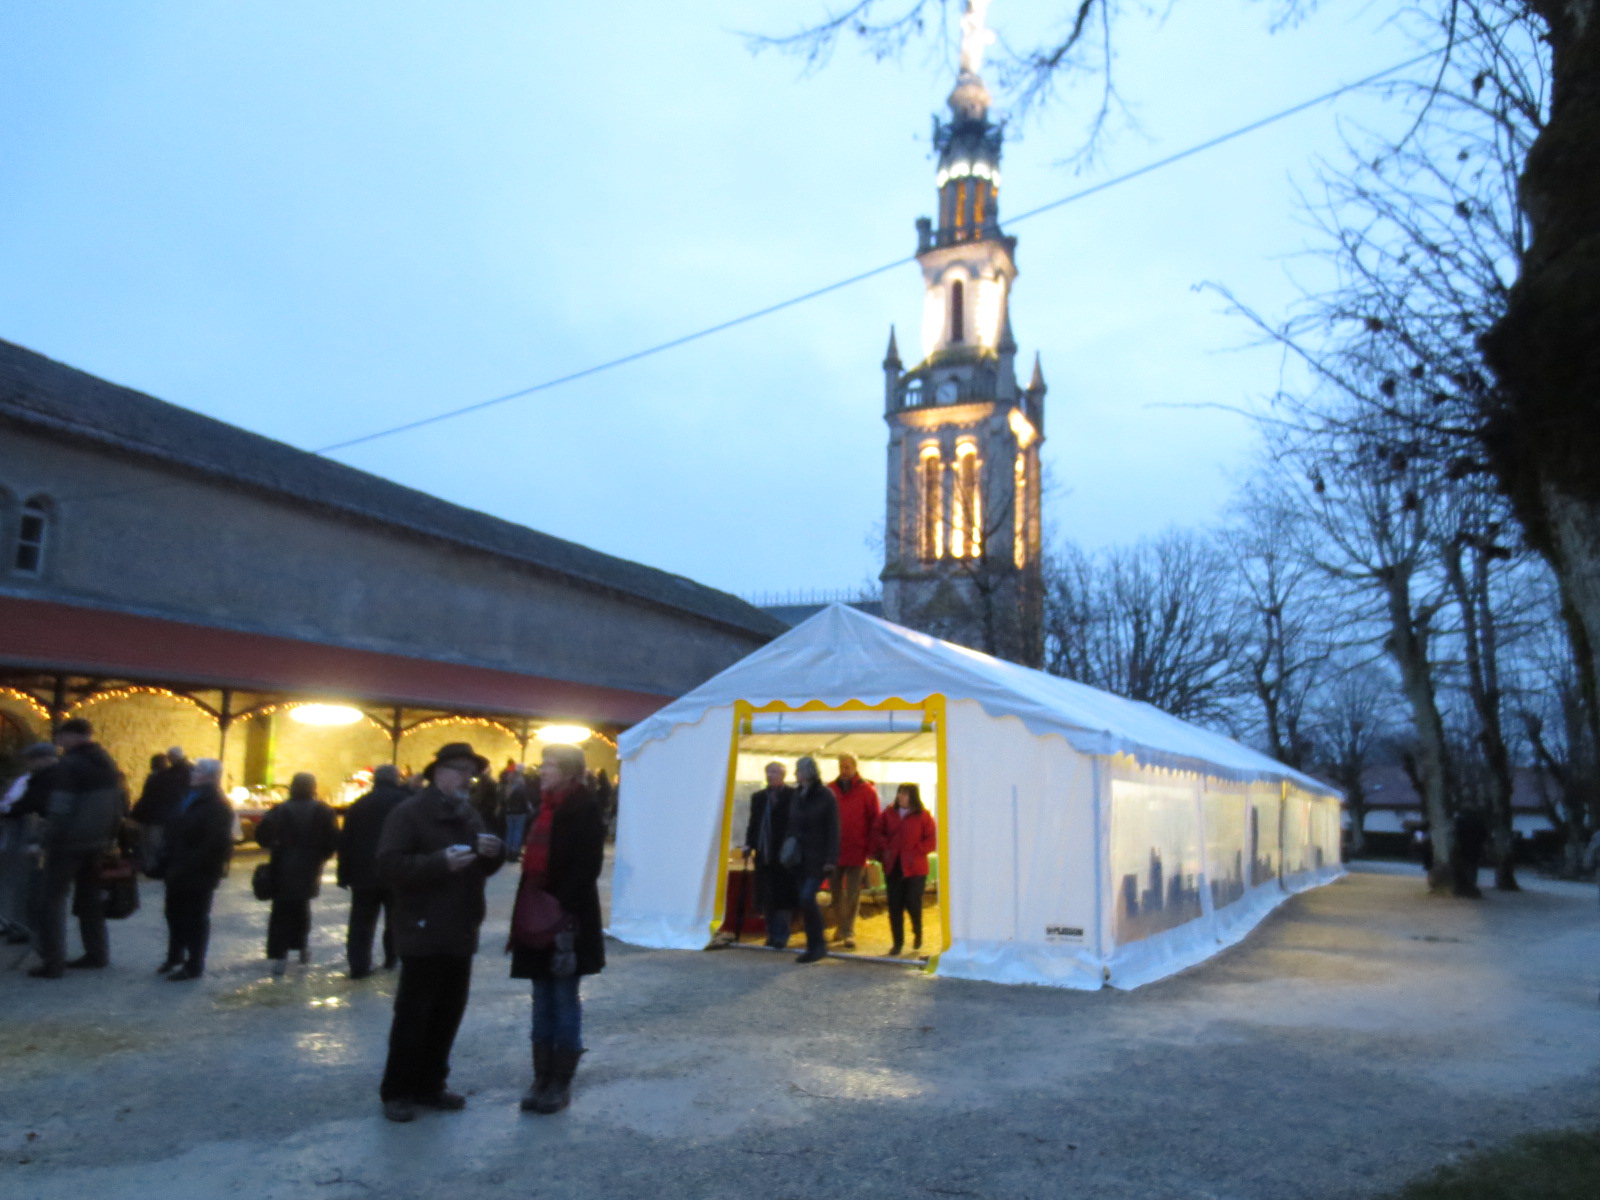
302, 834
198, 845
814, 824
358, 870
164, 789
763, 840
434, 855
83, 810
565, 850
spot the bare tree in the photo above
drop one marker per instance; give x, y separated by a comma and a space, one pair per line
1155, 622
1281, 646
1353, 719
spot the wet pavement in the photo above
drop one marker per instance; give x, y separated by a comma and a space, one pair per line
1364, 1032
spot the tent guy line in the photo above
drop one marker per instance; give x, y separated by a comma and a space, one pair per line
838, 285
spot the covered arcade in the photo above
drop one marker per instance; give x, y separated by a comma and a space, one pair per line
1084, 839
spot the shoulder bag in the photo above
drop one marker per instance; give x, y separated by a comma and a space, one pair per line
536, 919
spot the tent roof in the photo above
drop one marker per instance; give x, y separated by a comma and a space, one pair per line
843, 654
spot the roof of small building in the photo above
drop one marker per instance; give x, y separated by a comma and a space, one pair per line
41, 393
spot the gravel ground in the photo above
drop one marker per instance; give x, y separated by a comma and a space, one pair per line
1365, 1032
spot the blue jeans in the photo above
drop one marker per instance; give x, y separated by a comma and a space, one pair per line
516, 826
557, 1013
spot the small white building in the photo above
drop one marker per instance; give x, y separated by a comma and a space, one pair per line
1084, 839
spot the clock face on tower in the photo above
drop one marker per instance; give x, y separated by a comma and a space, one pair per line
948, 391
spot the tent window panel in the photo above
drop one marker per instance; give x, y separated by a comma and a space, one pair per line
1265, 808
1155, 859
1226, 847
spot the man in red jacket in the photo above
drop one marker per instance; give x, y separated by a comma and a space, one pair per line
858, 814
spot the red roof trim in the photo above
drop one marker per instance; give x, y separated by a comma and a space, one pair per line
45, 635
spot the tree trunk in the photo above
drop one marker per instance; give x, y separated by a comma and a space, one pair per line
1543, 433
1408, 646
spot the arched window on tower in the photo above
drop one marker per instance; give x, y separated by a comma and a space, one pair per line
32, 531
932, 504
966, 506
958, 305
1019, 524
961, 208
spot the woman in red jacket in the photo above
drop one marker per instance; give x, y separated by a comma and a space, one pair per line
904, 837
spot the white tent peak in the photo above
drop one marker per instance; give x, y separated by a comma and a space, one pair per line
843, 654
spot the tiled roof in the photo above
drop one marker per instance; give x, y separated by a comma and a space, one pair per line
38, 392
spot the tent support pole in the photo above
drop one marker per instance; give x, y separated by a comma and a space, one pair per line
1100, 849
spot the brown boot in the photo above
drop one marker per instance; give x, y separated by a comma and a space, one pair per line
535, 1097
564, 1066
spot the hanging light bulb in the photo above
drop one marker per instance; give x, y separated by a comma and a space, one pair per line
325, 714
564, 735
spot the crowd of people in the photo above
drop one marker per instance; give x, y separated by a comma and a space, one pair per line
414, 852
802, 836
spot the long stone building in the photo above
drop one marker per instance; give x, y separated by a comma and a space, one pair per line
181, 580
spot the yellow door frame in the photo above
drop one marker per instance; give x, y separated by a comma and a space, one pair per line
933, 714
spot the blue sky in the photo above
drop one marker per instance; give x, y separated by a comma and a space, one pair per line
317, 219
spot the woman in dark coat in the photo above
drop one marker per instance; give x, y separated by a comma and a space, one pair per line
563, 855
302, 834
814, 826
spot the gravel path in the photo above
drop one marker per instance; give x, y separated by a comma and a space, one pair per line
1365, 1032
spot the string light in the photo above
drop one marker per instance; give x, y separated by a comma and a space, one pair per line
128, 693
481, 722
30, 702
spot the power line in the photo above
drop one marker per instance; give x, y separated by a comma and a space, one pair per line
1094, 189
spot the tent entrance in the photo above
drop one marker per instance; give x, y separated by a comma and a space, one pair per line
893, 744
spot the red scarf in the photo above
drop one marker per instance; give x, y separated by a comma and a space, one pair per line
536, 848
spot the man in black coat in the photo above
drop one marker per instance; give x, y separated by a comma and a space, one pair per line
434, 855
198, 845
163, 791
358, 870
84, 809
814, 825
763, 839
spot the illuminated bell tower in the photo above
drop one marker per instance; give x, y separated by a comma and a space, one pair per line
962, 537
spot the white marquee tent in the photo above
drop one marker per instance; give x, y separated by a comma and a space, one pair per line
1084, 839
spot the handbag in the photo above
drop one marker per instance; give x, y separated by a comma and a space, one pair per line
789, 855
120, 882
262, 881
536, 919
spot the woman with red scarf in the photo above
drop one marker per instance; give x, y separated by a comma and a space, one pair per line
564, 851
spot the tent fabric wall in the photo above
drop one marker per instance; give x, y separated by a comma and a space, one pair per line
1090, 840
1022, 885
669, 844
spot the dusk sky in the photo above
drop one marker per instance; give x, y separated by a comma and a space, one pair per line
316, 220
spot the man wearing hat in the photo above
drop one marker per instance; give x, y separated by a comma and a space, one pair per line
434, 855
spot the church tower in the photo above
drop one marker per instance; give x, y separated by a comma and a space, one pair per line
962, 535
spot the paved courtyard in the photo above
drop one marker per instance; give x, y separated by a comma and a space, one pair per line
1364, 1032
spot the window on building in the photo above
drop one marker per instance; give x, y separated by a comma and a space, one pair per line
961, 206
958, 304
1019, 531
932, 525
31, 533
966, 506
978, 205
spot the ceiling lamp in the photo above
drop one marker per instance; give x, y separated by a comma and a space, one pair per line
325, 714
565, 735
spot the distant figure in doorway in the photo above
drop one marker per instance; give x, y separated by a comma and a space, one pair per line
858, 817
20, 807
82, 800
565, 851
434, 856
198, 845
814, 829
302, 834
605, 791
904, 838
358, 870
776, 893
